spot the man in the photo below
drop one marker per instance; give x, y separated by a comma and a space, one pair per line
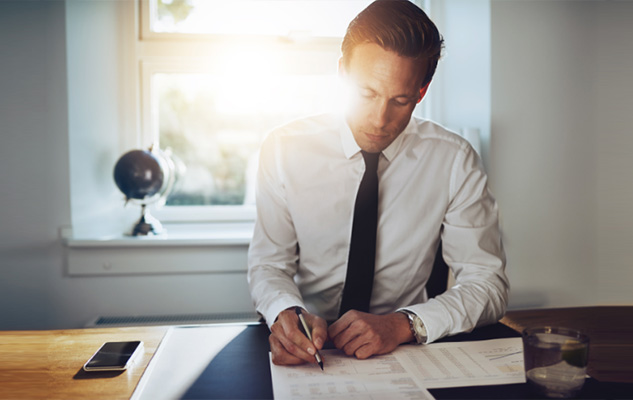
431, 187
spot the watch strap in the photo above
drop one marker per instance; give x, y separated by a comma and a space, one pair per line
415, 321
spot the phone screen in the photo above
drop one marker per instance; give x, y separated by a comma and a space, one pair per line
112, 356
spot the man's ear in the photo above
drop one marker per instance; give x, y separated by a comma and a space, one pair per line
423, 91
341, 68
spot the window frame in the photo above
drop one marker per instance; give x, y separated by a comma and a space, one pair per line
160, 52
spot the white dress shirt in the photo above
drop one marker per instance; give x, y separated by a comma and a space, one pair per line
431, 185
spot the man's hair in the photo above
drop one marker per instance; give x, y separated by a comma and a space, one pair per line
399, 26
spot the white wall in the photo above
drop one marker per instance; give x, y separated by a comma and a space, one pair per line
562, 118
461, 86
34, 186
98, 59
613, 138
559, 161
61, 135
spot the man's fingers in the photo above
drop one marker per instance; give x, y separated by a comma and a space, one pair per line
341, 324
293, 342
364, 345
359, 346
350, 347
289, 335
363, 335
365, 351
319, 330
349, 340
345, 330
279, 354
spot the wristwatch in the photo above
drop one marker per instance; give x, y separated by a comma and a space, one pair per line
417, 326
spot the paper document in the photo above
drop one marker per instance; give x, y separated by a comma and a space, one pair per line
381, 377
182, 356
485, 362
406, 373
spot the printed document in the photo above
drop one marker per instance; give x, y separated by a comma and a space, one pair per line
405, 373
343, 377
484, 362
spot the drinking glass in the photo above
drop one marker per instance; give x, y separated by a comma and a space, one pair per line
555, 360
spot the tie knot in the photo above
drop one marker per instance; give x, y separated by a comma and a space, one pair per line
371, 160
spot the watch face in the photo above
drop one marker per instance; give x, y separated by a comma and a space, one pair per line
419, 327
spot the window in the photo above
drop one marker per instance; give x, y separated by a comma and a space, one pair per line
216, 76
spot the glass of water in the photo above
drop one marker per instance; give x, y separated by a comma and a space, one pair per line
555, 360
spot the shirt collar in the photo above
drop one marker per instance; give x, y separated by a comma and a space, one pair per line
350, 147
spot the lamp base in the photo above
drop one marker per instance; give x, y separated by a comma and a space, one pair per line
147, 225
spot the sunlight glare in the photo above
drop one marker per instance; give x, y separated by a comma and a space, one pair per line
257, 17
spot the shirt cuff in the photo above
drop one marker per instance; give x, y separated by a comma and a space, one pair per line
409, 309
280, 304
434, 318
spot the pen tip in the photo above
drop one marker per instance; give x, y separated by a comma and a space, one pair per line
321, 365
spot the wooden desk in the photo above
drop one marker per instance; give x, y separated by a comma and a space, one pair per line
48, 364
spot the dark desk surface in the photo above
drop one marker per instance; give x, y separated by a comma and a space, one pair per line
242, 371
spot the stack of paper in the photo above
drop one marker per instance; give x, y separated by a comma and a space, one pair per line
406, 373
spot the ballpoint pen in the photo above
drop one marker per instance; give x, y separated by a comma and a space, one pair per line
309, 335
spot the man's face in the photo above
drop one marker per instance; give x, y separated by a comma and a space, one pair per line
384, 89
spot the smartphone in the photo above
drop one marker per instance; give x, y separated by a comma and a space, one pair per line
114, 356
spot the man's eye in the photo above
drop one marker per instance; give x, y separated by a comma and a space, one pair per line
401, 102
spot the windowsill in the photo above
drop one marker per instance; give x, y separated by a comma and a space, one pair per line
195, 234
181, 249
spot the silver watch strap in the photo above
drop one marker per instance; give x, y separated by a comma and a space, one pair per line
412, 317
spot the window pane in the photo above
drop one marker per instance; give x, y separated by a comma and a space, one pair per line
215, 125
255, 17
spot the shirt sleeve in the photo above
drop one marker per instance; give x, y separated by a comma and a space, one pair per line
273, 253
473, 250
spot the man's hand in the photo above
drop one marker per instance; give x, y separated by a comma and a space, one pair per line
289, 345
363, 335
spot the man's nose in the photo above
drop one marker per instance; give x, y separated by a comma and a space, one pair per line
380, 114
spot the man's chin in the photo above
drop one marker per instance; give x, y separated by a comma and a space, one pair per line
372, 148
375, 144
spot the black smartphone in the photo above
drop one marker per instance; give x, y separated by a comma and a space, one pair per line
114, 356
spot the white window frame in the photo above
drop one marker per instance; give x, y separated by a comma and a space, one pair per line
177, 52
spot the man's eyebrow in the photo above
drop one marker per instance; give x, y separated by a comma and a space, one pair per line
412, 96
367, 88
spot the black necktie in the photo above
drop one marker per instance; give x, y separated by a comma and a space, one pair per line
362, 252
